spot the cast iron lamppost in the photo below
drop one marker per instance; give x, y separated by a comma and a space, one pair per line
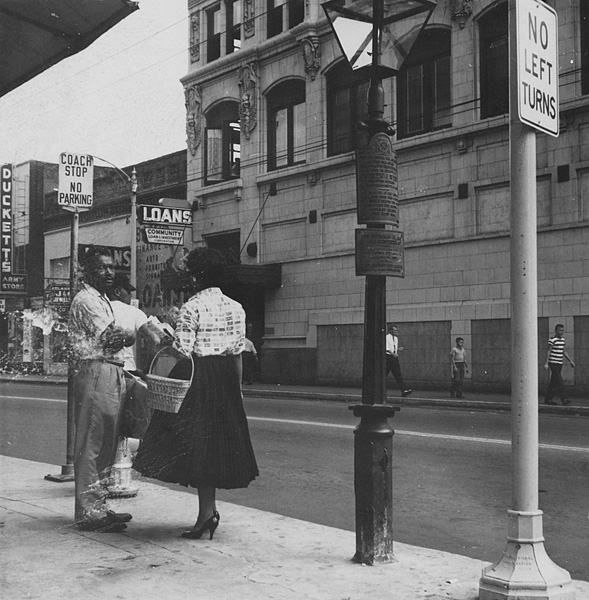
376, 36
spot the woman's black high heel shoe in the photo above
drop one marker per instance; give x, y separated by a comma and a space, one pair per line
210, 525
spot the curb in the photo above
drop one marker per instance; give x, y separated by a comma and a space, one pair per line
303, 394
415, 402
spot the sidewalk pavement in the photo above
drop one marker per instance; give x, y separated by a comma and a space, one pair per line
419, 398
254, 554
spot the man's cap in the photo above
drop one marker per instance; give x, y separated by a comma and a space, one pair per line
122, 280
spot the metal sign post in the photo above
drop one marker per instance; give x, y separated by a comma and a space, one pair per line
525, 570
75, 194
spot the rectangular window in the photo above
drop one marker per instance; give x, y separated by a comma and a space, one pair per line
233, 29
442, 96
281, 137
214, 33
585, 47
299, 132
340, 136
214, 155
296, 12
275, 17
494, 51
414, 99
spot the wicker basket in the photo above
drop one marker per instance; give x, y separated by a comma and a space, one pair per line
164, 393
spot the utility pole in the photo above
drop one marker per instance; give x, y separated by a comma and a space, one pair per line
133, 224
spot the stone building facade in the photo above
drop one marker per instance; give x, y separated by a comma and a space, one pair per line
271, 110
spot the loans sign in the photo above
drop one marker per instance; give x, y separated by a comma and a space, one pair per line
537, 65
76, 181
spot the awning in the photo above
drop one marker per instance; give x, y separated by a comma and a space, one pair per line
265, 276
36, 34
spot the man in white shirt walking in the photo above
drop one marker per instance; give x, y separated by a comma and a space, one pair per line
392, 359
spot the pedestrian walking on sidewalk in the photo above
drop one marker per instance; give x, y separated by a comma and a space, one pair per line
206, 444
392, 359
98, 389
459, 368
554, 361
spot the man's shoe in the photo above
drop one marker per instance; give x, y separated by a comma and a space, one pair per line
406, 392
551, 402
119, 517
565, 401
104, 525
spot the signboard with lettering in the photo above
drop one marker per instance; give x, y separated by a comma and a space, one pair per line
6, 220
13, 284
376, 181
76, 181
58, 296
121, 255
165, 215
380, 252
164, 235
537, 65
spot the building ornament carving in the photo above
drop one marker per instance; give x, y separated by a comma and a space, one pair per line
461, 10
193, 102
195, 36
247, 77
249, 18
311, 55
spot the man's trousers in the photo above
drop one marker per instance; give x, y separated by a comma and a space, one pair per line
99, 388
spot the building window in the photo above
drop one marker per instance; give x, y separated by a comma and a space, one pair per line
293, 11
494, 92
222, 148
424, 85
233, 11
287, 129
585, 47
214, 33
347, 104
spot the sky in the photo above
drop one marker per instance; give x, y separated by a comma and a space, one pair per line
120, 99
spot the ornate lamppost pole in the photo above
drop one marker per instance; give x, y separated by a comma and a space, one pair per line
376, 36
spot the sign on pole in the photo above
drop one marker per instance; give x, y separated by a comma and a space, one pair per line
165, 224
537, 65
76, 181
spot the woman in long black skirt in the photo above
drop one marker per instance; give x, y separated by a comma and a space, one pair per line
206, 444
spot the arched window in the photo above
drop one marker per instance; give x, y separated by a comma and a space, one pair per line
424, 94
347, 104
494, 52
222, 148
287, 124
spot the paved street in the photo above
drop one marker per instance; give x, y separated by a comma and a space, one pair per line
451, 469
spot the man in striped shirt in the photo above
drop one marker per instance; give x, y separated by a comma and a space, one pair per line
554, 362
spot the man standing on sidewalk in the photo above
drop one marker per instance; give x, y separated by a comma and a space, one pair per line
459, 368
392, 359
99, 388
554, 362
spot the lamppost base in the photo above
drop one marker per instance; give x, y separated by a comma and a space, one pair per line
67, 474
525, 571
373, 484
